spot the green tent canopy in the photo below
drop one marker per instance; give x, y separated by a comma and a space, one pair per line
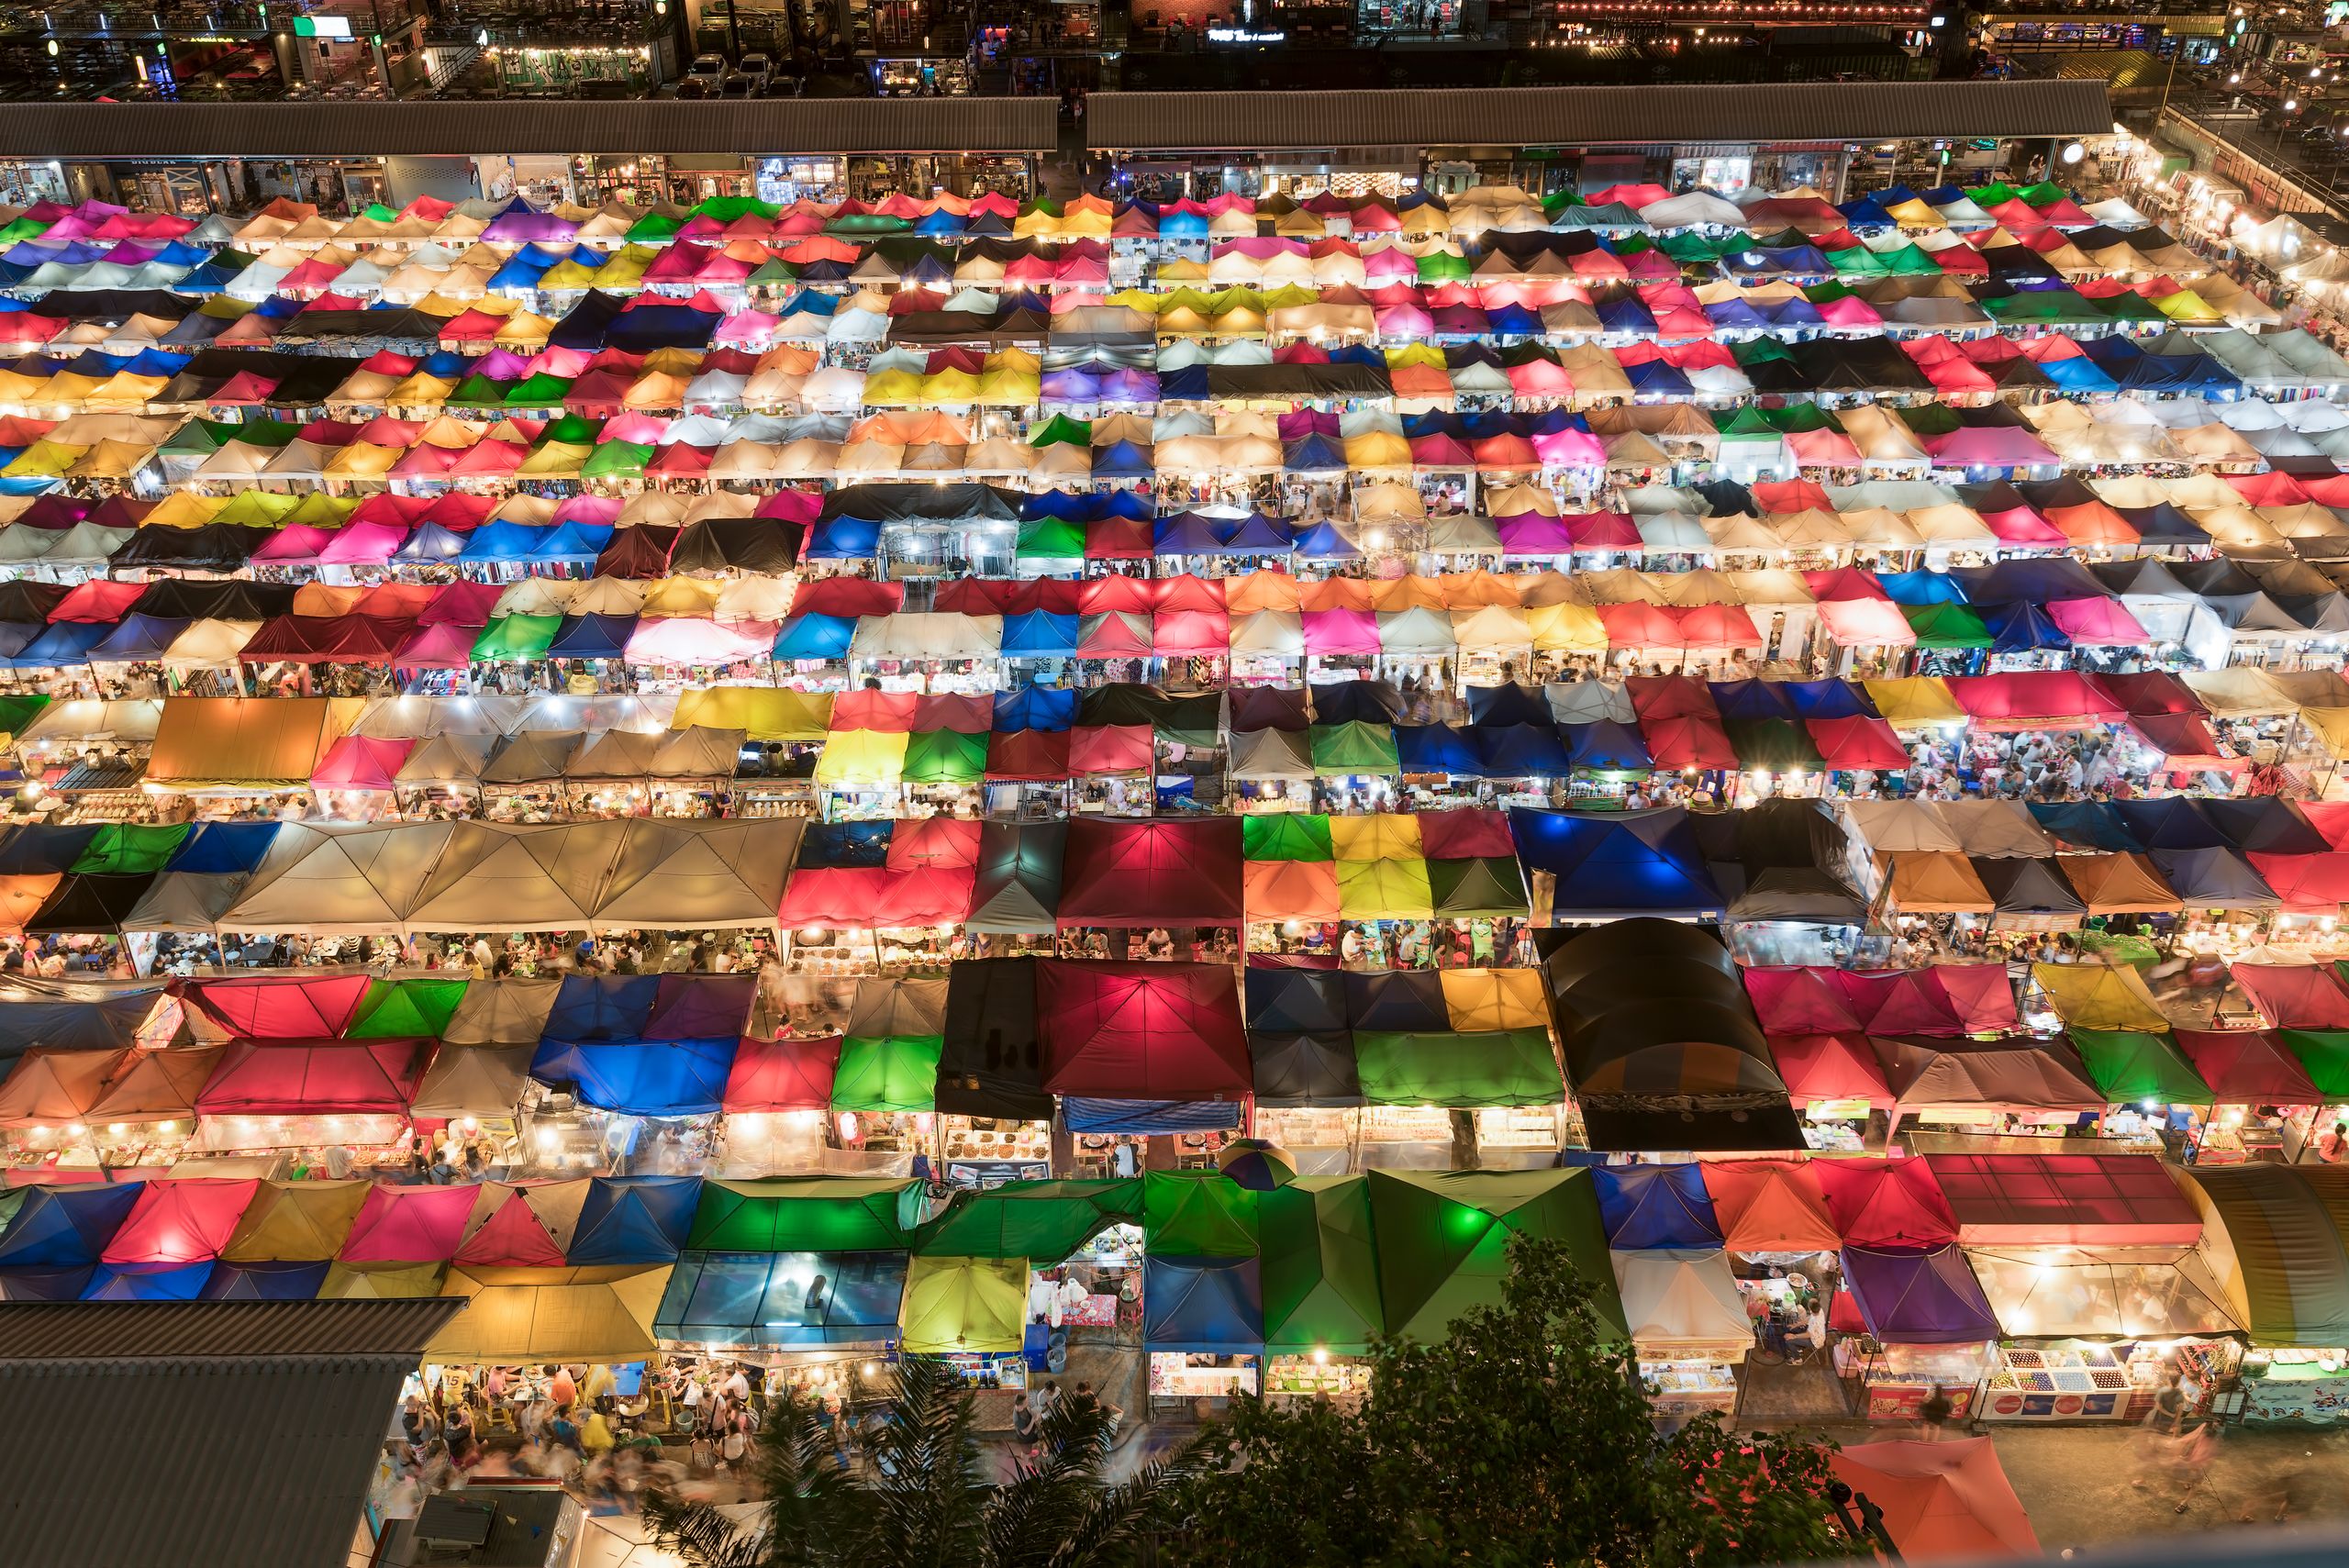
1198, 1214
1443, 1241
945, 756
1319, 1267
1488, 1067
897, 1072
964, 1304
616, 459
2324, 1053
1050, 539
1045, 1221
401, 1009
127, 849
518, 638
1946, 626
1286, 836
1340, 749
2128, 1066
1060, 430
806, 1213
20, 709
1465, 890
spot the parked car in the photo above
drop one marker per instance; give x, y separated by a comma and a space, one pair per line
757, 69
709, 70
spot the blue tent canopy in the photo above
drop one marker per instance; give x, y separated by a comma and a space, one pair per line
2022, 628
66, 1226
110, 1281
2088, 824
1520, 751
677, 1077
1608, 745
1148, 1117
1257, 534
1752, 699
573, 541
2168, 822
1038, 634
843, 539
264, 1281
1322, 541
1185, 533
602, 1006
1049, 708
1510, 703
61, 1283
845, 846
1916, 590
815, 636
1397, 1001
61, 644
634, 1219
503, 540
1296, 1001
1436, 748
1208, 1305
592, 637
140, 637
782, 1298
1655, 1206
223, 849
1659, 378
1644, 862
1829, 699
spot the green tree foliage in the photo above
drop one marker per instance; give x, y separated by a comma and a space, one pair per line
921, 1495
1522, 1441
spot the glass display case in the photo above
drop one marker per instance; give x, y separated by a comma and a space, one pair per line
2075, 1380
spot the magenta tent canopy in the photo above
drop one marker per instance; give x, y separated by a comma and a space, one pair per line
1531, 533
2091, 623
362, 544
771, 1075
299, 543
1981, 446
447, 646
180, 1221
359, 761
333, 1077
410, 1225
1146, 1031
1340, 631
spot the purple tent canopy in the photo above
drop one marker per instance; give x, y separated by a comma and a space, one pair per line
1531, 533
518, 222
1919, 1296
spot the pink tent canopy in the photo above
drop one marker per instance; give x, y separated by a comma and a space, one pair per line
180, 1221
1340, 631
1887, 1203
1866, 623
2097, 622
2294, 996
1829, 1067
1141, 1030
1856, 742
410, 1225
833, 896
335, 1077
688, 641
359, 761
1111, 749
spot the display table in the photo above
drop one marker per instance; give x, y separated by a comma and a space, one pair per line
2297, 1393
2076, 1382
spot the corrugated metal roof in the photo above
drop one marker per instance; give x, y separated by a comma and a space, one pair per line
159, 1435
772, 127
128, 1331
1582, 117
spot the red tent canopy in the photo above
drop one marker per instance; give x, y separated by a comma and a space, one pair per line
2033, 699
782, 1075
1173, 871
1940, 1500
1770, 1206
1111, 749
2248, 1067
1468, 832
1687, 742
1037, 755
1856, 742
332, 1077
1800, 999
1887, 1203
504, 1231
2073, 1200
2309, 884
2294, 996
1941, 999
852, 597
1670, 697
834, 895
409, 1225
180, 1221
890, 713
275, 1008
1151, 1032
1829, 1067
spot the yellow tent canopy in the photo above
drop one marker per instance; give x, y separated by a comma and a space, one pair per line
1938, 882
1911, 702
296, 1222
565, 1320
964, 1304
761, 713
2099, 997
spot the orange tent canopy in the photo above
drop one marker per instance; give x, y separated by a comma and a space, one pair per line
1941, 1501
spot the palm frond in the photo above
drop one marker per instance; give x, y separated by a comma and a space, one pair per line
927, 1491
701, 1535
1119, 1515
